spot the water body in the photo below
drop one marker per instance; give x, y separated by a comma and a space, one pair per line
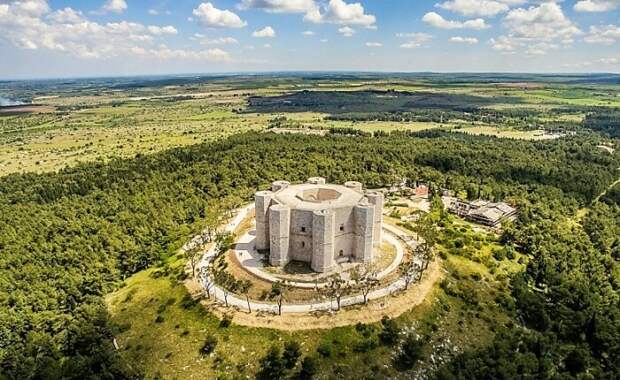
5, 102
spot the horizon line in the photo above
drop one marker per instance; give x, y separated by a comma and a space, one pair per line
299, 72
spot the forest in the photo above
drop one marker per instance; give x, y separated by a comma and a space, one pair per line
68, 238
604, 120
369, 101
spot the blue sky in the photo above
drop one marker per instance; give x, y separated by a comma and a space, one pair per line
41, 38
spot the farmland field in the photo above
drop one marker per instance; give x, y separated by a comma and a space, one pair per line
76, 125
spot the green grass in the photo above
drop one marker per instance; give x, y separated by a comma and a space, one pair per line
161, 332
49, 142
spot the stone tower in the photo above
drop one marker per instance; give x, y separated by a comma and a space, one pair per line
318, 223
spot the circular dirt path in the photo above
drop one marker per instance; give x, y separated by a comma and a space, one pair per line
419, 294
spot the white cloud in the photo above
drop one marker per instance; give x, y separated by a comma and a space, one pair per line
115, 6
537, 30
415, 39
33, 26
267, 46
596, 5
211, 17
503, 44
203, 40
415, 35
339, 12
279, 6
66, 16
606, 35
346, 31
153, 12
374, 44
482, 8
266, 32
545, 21
438, 21
159, 30
464, 40
31, 7
164, 52
308, 33
541, 48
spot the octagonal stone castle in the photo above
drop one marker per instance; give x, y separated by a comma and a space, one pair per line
318, 223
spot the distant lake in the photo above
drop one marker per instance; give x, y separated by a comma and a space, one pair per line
4, 102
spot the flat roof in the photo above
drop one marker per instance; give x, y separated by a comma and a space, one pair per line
309, 196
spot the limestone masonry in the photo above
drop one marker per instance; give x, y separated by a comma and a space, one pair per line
318, 223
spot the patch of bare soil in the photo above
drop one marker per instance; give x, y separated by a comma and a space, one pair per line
30, 108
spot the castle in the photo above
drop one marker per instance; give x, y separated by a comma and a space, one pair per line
318, 223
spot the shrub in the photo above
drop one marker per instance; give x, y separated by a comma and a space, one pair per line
510, 252
226, 321
271, 365
187, 302
308, 369
292, 352
364, 329
389, 332
411, 352
324, 349
209, 345
365, 345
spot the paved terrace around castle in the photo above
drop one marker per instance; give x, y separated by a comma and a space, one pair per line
241, 303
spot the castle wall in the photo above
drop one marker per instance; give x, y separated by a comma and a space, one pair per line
301, 235
376, 198
354, 185
316, 180
279, 185
323, 235
344, 234
279, 228
364, 232
323, 240
262, 202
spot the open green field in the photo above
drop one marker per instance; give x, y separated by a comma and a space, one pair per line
99, 122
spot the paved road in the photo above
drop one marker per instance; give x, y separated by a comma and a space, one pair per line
234, 300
